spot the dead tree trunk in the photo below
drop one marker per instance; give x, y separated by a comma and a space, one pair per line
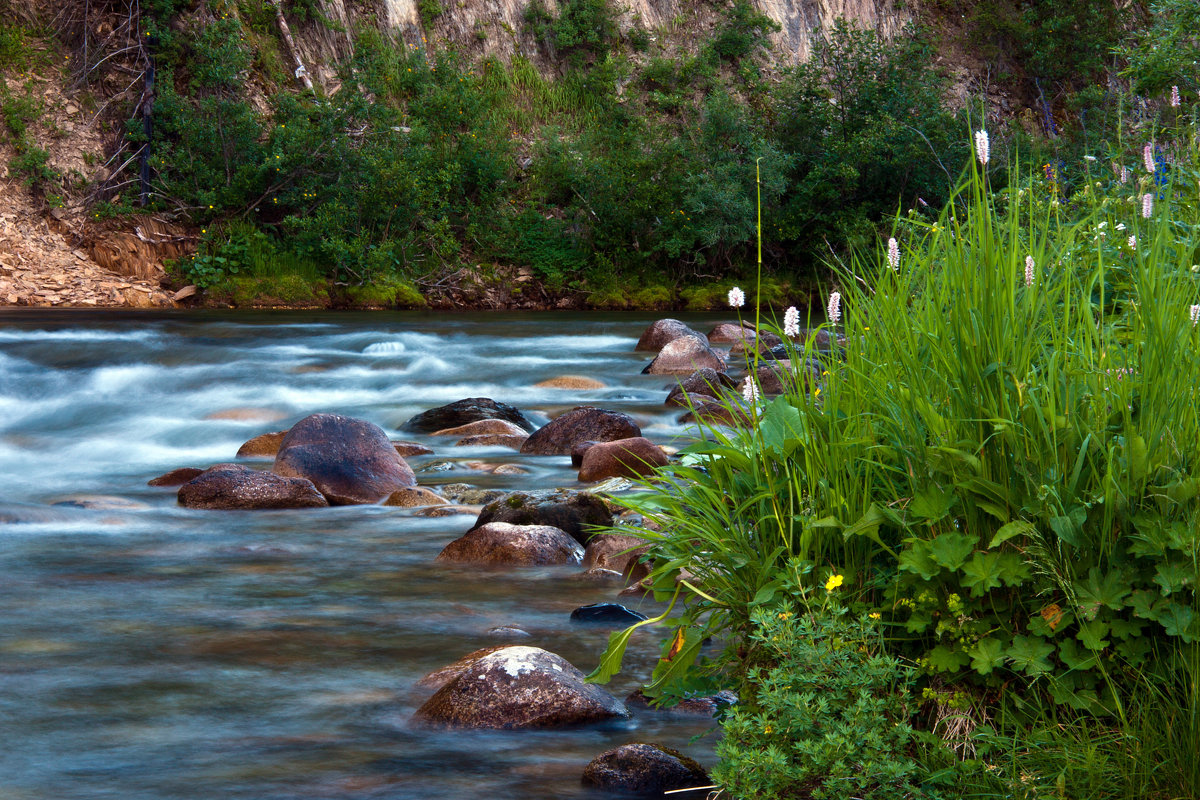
290, 43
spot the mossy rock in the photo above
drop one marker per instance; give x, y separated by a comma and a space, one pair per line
286, 290
385, 293
652, 298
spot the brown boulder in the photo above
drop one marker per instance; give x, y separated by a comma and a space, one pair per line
176, 477
762, 340
406, 449
571, 382
707, 382
263, 446
581, 424
503, 543
624, 458
484, 427
577, 452
519, 687
223, 488
617, 552
493, 440
729, 332
460, 412
683, 357
665, 331
644, 769
440, 677
414, 497
351, 461
247, 414
570, 511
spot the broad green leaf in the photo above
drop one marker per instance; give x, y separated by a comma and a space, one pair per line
1174, 575
782, 428
918, 621
1109, 591
672, 670
986, 655
1138, 458
944, 659
1014, 570
1017, 527
1146, 605
917, 558
1075, 658
981, 573
1176, 621
951, 550
932, 503
1069, 527
1126, 628
1030, 654
1092, 634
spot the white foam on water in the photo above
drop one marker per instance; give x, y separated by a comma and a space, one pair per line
76, 335
384, 349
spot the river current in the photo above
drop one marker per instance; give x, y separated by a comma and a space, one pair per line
149, 651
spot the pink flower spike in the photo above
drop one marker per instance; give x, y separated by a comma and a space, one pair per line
982, 147
737, 298
1029, 267
1132, 242
750, 391
1175, 97
1147, 205
1148, 157
1195, 315
791, 322
893, 254
834, 312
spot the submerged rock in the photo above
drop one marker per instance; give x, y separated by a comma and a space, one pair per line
580, 424
414, 497
502, 543
571, 511
461, 412
519, 687
644, 769
350, 461
606, 614
241, 488
577, 382
470, 495
406, 449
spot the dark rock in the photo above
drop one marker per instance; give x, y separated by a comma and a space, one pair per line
706, 381
461, 412
763, 341
502, 543
471, 495
519, 687
247, 489
665, 331
706, 707
571, 511
350, 461
443, 675
406, 449
577, 452
493, 440
624, 458
606, 614
414, 497
484, 427
581, 424
176, 477
683, 357
644, 769
617, 552
718, 414
263, 446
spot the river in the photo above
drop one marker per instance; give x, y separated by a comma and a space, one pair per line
149, 651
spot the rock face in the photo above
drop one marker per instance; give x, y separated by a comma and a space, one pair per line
461, 412
619, 553
624, 458
644, 769
580, 424
225, 488
683, 357
484, 427
665, 331
350, 461
519, 687
263, 446
503, 543
570, 511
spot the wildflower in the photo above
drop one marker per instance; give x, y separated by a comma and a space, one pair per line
1147, 205
875, 615
1029, 265
835, 308
1148, 157
791, 322
1132, 242
737, 298
1124, 174
834, 582
982, 147
1120, 226
1174, 97
1194, 314
1089, 158
893, 253
750, 391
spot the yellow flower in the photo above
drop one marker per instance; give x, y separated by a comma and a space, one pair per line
874, 615
785, 614
834, 582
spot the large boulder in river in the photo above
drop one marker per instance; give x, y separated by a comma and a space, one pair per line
580, 424
618, 552
624, 458
462, 412
664, 331
351, 461
706, 382
241, 488
503, 543
648, 770
519, 687
571, 511
683, 357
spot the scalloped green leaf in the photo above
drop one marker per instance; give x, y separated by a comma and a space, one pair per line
951, 550
1031, 655
986, 655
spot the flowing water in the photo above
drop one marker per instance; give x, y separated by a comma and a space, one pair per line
151, 651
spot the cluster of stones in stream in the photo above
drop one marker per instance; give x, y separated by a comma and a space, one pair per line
327, 459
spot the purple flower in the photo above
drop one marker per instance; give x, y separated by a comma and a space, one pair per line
737, 298
834, 312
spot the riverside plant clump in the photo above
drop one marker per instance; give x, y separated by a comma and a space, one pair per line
996, 470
